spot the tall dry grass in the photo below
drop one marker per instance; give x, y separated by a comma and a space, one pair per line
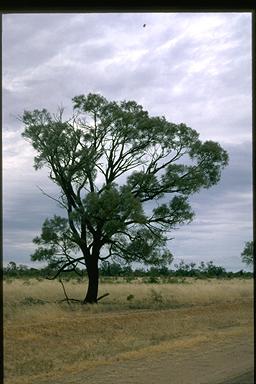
45, 339
128, 295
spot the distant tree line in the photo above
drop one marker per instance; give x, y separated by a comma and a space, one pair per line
114, 269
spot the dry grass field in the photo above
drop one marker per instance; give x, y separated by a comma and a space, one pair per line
46, 341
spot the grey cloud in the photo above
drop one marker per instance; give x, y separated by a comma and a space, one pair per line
223, 217
25, 209
48, 59
41, 36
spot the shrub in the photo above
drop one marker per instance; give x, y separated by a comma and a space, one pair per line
31, 301
156, 296
153, 280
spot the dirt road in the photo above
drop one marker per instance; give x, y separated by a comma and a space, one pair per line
194, 361
246, 378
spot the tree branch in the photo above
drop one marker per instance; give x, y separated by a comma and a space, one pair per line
46, 194
62, 269
65, 293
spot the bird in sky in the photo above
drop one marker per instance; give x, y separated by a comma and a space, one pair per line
144, 25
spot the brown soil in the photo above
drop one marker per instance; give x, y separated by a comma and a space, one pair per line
189, 361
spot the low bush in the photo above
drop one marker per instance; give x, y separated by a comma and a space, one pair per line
31, 301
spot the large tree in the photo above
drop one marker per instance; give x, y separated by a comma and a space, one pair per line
124, 180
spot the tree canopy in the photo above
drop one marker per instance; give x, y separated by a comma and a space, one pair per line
125, 178
247, 254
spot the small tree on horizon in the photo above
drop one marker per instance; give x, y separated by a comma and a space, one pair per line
247, 254
124, 179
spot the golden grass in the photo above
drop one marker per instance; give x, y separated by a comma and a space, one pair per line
194, 292
48, 339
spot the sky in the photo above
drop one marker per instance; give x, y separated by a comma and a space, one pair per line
192, 68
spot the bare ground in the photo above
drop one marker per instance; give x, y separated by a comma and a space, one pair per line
194, 360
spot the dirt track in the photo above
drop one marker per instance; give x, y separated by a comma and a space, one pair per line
200, 362
246, 378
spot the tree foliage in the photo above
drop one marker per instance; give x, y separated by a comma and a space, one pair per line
247, 254
124, 178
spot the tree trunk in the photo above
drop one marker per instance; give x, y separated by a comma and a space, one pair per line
93, 276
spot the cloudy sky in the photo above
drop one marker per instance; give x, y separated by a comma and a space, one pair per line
193, 68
